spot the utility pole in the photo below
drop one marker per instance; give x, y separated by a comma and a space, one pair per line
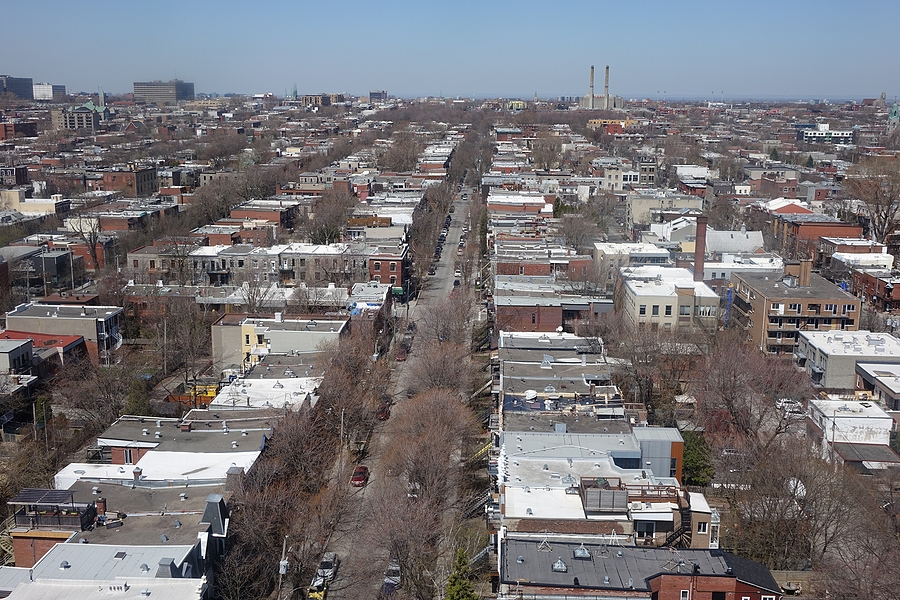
283, 564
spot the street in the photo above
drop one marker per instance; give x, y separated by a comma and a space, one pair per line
363, 559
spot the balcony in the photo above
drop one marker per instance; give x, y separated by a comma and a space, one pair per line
51, 509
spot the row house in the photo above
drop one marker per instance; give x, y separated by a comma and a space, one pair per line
280, 211
798, 235
877, 288
389, 264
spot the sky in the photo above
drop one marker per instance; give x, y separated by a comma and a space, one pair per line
707, 49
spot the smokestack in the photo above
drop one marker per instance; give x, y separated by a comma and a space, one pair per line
805, 272
591, 105
700, 248
606, 90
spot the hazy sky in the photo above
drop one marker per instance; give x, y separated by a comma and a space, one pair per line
760, 48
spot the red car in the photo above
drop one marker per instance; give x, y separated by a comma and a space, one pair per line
360, 476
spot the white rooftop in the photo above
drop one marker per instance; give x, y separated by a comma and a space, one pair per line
653, 280
862, 344
289, 392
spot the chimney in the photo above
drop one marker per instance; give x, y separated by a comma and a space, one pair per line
805, 272
591, 105
186, 426
700, 248
100, 504
137, 474
606, 90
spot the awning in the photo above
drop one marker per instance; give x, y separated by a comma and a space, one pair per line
816, 369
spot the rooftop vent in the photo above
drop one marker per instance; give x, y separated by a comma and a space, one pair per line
559, 566
64, 565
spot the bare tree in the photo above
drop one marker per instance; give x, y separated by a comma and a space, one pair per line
403, 155
876, 183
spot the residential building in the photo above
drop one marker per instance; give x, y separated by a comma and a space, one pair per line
774, 310
830, 358
856, 433
879, 382
87, 116
534, 303
666, 299
639, 206
561, 568
798, 235
134, 182
163, 92
12, 176
823, 134
877, 288
240, 341
99, 325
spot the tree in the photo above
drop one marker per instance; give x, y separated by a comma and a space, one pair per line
810, 163
459, 584
546, 151
578, 232
773, 155
736, 387
329, 218
403, 155
697, 467
876, 183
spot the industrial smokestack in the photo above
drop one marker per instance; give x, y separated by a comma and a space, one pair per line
591, 105
606, 90
700, 248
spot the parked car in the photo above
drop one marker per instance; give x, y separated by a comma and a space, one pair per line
411, 392
401, 355
383, 413
456, 283
328, 566
431, 270
318, 589
392, 574
457, 273
360, 476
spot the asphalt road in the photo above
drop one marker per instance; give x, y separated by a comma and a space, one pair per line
363, 562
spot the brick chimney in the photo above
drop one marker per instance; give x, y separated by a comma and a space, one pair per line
700, 248
805, 272
100, 504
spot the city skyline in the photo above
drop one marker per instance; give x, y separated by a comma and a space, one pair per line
690, 50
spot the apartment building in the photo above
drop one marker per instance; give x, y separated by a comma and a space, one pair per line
774, 311
667, 299
163, 92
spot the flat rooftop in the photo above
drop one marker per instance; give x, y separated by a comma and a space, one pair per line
861, 344
819, 287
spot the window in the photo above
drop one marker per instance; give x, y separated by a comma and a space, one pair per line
684, 310
533, 318
393, 267
376, 266
794, 307
848, 308
129, 459
134, 264
776, 306
702, 527
152, 264
768, 598
718, 596
685, 595
832, 308
240, 263
668, 310
644, 529
521, 270
247, 339
655, 310
642, 309
393, 279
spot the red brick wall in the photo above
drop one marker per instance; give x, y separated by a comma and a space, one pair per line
528, 268
519, 318
118, 455
27, 550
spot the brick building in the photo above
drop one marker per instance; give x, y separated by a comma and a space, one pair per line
798, 235
774, 311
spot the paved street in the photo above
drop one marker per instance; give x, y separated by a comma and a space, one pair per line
362, 560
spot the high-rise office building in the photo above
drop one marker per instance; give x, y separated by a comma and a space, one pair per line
23, 87
378, 96
163, 92
48, 91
